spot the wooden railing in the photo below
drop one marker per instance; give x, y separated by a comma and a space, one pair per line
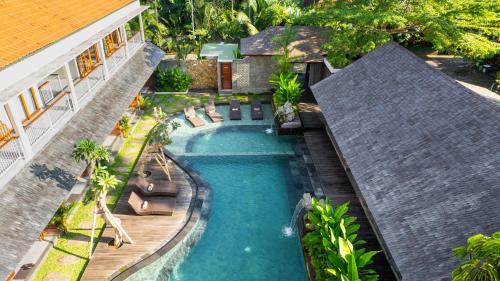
37, 126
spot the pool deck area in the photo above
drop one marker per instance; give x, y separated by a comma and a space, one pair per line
151, 234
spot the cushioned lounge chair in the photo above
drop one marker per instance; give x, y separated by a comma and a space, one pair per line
234, 110
158, 187
212, 113
190, 114
256, 110
154, 206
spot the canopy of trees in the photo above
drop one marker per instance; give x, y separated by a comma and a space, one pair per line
467, 28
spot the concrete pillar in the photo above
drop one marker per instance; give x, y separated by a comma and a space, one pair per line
125, 41
19, 129
71, 85
141, 27
102, 54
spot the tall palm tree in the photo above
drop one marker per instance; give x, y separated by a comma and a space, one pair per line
93, 154
103, 182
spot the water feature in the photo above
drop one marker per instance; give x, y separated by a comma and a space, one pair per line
254, 190
304, 203
270, 129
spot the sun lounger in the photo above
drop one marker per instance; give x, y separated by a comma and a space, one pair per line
212, 113
190, 114
234, 110
256, 110
144, 206
155, 187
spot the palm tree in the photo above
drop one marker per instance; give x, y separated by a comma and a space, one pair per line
93, 154
103, 182
480, 259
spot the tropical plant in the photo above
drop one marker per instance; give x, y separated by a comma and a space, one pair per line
125, 125
182, 50
160, 137
480, 259
172, 79
60, 218
93, 154
282, 42
102, 183
333, 246
160, 134
287, 89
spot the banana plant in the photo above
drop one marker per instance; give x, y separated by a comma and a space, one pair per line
333, 246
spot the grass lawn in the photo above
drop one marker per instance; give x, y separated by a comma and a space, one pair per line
69, 256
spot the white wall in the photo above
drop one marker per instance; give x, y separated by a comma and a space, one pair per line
28, 65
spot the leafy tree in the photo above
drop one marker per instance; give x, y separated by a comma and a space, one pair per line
480, 259
282, 42
93, 154
461, 27
333, 246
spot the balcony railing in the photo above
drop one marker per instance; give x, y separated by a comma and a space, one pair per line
89, 82
10, 153
48, 118
134, 42
116, 59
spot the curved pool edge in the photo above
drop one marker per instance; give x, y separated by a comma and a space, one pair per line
199, 210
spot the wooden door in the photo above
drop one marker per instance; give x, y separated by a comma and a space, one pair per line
226, 76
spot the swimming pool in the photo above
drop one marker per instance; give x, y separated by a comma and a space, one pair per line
255, 186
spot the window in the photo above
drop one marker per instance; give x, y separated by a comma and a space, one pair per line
35, 108
112, 42
88, 60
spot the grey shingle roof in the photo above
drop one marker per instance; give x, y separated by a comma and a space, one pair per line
307, 46
424, 154
31, 198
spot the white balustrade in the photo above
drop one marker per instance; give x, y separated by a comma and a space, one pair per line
134, 42
10, 153
116, 59
89, 82
48, 118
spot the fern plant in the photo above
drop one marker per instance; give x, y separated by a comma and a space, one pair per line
333, 246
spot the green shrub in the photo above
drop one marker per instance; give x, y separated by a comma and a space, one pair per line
172, 80
333, 246
287, 89
124, 125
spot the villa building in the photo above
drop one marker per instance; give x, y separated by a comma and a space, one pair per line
422, 154
67, 71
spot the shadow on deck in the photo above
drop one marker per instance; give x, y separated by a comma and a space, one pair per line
150, 233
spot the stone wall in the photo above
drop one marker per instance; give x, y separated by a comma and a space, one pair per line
251, 74
203, 72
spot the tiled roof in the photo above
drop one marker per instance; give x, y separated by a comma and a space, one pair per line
30, 25
423, 152
306, 47
32, 197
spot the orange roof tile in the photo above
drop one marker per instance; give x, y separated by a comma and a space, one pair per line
29, 25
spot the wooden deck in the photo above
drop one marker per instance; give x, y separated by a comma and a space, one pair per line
336, 186
149, 233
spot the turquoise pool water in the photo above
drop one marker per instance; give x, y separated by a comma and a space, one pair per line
254, 190
243, 238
